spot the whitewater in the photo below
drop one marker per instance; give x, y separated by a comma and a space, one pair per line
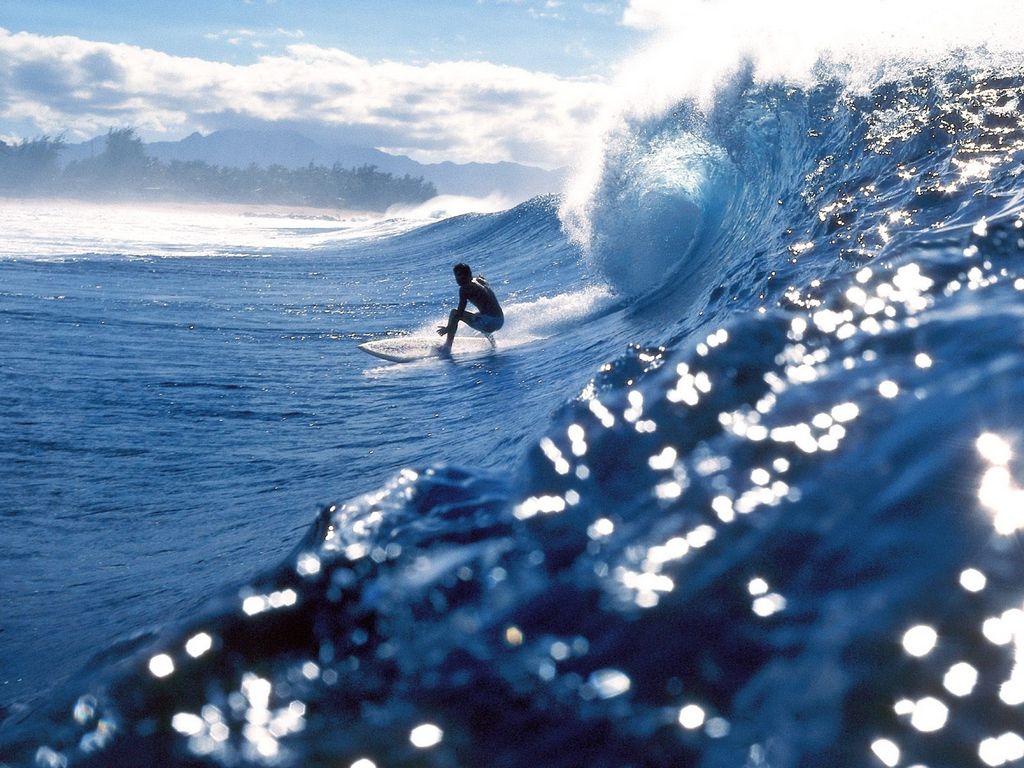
741, 485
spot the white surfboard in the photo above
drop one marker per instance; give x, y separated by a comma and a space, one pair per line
405, 349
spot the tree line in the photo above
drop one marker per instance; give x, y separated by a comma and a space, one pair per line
124, 171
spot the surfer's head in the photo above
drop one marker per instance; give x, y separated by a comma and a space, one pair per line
463, 274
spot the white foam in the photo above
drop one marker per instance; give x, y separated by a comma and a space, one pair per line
696, 43
52, 229
548, 315
446, 206
697, 46
545, 316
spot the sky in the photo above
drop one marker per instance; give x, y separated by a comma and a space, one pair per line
530, 81
462, 80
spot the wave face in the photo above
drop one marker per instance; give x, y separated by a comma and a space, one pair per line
779, 530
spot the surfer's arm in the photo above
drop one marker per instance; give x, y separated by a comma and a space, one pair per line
456, 315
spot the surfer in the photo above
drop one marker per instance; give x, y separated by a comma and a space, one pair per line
476, 291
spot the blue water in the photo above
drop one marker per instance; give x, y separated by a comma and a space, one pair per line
739, 487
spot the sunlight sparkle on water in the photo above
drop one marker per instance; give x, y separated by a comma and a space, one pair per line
973, 580
609, 683
308, 564
700, 536
757, 586
994, 449
690, 386
513, 636
310, 670
888, 389
929, 715
1007, 748
691, 717
663, 460
636, 406
426, 735
960, 679
998, 492
723, 507
766, 605
85, 709
187, 724
161, 665
254, 604
673, 549
668, 490
603, 415
578, 439
198, 644
886, 751
256, 690
554, 454
535, 505
920, 640
996, 631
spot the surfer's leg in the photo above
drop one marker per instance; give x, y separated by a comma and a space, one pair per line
485, 324
467, 317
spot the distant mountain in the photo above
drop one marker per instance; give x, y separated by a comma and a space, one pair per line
242, 148
481, 179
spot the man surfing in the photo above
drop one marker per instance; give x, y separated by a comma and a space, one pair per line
477, 292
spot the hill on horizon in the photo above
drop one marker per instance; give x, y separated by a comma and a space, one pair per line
240, 148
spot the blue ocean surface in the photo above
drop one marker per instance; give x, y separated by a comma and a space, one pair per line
740, 486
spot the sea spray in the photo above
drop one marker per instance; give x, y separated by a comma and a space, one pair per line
661, 162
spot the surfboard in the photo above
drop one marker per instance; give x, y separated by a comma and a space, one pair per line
405, 349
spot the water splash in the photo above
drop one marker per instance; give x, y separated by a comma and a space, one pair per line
663, 157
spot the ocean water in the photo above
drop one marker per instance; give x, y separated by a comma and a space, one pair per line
741, 485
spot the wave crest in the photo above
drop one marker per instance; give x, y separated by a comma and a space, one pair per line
660, 189
658, 177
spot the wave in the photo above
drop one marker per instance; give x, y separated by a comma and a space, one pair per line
447, 206
660, 195
747, 106
779, 530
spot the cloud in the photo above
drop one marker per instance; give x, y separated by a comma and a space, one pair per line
462, 111
255, 38
651, 14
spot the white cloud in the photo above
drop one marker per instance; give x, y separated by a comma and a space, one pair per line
652, 14
255, 38
466, 110
600, 9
